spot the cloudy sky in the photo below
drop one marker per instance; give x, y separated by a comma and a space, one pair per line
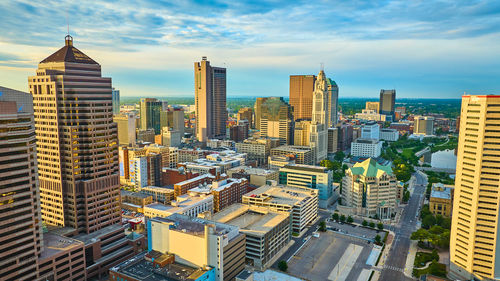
435, 49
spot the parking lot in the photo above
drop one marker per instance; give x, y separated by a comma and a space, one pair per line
359, 231
333, 257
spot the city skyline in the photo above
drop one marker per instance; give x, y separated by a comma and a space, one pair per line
149, 48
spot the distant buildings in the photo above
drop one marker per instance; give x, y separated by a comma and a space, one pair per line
302, 154
369, 189
126, 125
389, 134
150, 111
301, 95
246, 113
276, 120
210, 101
387, 102
423, 125
373, 105
116, 100
441, 199
366, 148
257, 149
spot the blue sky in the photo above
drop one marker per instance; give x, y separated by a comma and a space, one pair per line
431, 49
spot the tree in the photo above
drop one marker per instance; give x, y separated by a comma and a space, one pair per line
380, 226
436, 229
372, 224
335, 216
406, 196
377, 239
327, 163
421, 235
446, 223
322, 226
283, 266
365, 223
428, 221
342, 218
350, 219
339, 156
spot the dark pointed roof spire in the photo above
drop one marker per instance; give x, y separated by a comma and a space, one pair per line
69, 53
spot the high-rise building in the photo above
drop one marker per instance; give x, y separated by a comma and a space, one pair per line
150, 110
320, 117
210, 101
373, 105
302, 133
276, 120
475, 231
115, 94
257, 111
126, 128
333, 102
301, 95
239, 132
423, 125
371, 130
387, 101
173, 118
246, 113
77, 148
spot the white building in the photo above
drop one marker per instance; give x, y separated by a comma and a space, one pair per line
139, 171
170, 137
369, 114
366, 148
190, 204
320, 118
389, 134
370, 130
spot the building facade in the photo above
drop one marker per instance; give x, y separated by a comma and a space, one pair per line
423, 125
126, 127
301, 95
150, 110
441, 200
276, 120
116, 101
366, 148
387, 102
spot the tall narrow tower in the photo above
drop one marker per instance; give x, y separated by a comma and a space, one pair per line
210, 100
320, 117
475, 233
76, 141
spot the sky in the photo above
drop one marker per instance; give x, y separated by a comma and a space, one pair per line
423, 49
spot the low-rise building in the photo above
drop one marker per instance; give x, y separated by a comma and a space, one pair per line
267, 232
225, 192
277, 162
158, 194
388, 134
366, 148
441, 199
372, 115
303, 154
301, 203
183, 186
190, 204
135, 201
255, 176
257, 149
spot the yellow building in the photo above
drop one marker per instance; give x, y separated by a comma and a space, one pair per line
474, 231
373, 105
441, 199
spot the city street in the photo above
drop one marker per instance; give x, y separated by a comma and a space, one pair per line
394, 266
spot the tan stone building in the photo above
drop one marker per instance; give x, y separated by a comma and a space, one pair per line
373, 105
276, 120
246, 113
474, 231
441, 199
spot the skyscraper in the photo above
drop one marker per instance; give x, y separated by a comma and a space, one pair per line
320, 117
387, 100
150, 114
258, 112
333, 102
20, 233
77, 147
474, 241
116, 101
424, 125
301, 98
210, 101
276, 120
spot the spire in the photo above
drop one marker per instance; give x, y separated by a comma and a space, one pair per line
68, 40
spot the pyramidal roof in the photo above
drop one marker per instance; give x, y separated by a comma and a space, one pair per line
69, 53
370, 168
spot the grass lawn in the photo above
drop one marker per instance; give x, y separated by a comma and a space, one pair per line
437, 269
422, 258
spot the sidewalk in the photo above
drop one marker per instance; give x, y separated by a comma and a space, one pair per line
384, 254
410, 259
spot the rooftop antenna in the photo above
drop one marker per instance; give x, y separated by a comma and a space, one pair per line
322, 66
68, 39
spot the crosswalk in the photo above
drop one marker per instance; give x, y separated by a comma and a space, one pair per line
393, 268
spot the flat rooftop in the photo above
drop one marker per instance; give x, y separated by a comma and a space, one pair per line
95, 236
282, 194
54, 244
306, 168
250, 219
441, 191
252, 171
292, 148
367, 141
195, 226
134, 194
195, 179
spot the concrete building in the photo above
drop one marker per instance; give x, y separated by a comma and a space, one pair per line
116, 100
387, 102
146, 136
345, 136
423, 125
276, 120
225, 192
373, 105
474, 231
333, 102
258, 112
190, 204
158, 194
302, 133
366, 148
246, 113
369, 189
301, 203
239, 132
307, 176
170, 137
138, 169
172, 117
150, 110
277, 162
87, 178
215, 143
267, 232
255, 176
198, 243
257, 149
134, 201
387, 134
370, 115
210, 101
303, 154
333, 139
126, 128
182, 187
441, 199
371, 130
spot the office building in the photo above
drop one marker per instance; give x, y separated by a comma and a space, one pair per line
371, 130
333, 102
158, 194
345, 136
423, 125
190, 204
77, 149
366, 148
170, 137
115, 95
198, 243
441, 199
302, 133
474, 230
257, 149
135, 201
258, 112
387, 101
302, 154
277, 162
126, 128
267, 232
301, 203
301, 95
255, 176
276, 120
369, 189
370, 115
307, 176
225, 192
373, 105
388, 134
246, 113
210, 101
320, 118
138, 169
239, 132
146, 136
333, 139
173, 118
150, 110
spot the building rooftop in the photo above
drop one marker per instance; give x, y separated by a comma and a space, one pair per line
250, 219
441, 191
370, 168
217, 185
134, 194
69, 53
53, 244
96, 235
367, 141
292, 148
196, 226
284, 195
251, 170
195, 179
306, 168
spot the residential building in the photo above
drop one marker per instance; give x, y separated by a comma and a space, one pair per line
441, 199
387, 102
77, 149
308, 176
371, 130
183, 186
170, 176
225, 192
134, 201
246, 113
423, 125
257, 149
267, 232
150, 110
303, 154
115, 96
210, 101
255, 176
474, 229
389, 134
369, 189
366, 148
138, 170
276, 120
301, 95
370, 115
190, 204
373, 105
301, 203
158, 194
345, 137
126, 128
198, 243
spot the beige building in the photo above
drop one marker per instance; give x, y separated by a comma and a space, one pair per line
126, 128
256, 176
158, 194
276, 162
302, 133
370, 189
387, 102
190, 204
257, 149
198, 242
210, 101
474, 238
373, 105
245, 113
423, 125
441, 199
301, 95
276, 120
301, 203
303, 154
333, 140
135, 201
77, 143
267, 232
257, 111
